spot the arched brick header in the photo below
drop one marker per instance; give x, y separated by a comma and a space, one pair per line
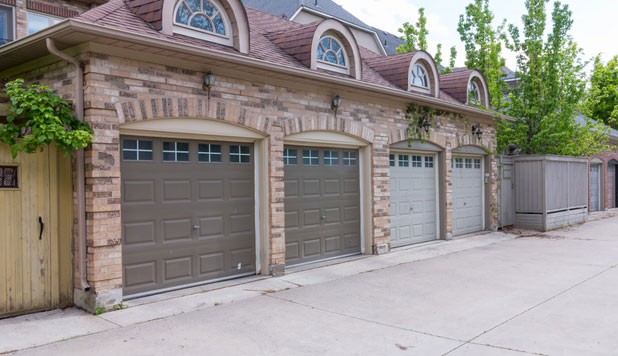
399, 135
191, 107
349, 127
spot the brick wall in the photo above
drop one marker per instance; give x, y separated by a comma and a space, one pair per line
146, 90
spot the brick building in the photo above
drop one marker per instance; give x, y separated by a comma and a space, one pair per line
230, 142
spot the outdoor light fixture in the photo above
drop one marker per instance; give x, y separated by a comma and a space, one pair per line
209, 82
425, 123
476, 130
336, 103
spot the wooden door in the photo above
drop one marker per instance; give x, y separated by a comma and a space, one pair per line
33, 205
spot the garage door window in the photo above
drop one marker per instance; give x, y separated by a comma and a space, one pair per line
458, 163
349, 158
403, 161
468, 163
331, 158
428, 162
310, 158
209, 153
240, 154
136, 150
175, 151
391, 159
417, 161
477, 163
289, 157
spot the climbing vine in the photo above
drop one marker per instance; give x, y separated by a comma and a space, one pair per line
38, 117
422, 118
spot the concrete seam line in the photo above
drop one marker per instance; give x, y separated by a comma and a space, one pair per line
531, 308
362, 319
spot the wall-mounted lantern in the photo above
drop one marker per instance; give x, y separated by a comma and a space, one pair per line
209, 82
476, 131
336, 103
425, 123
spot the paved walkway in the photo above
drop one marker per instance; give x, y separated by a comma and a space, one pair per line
494, 294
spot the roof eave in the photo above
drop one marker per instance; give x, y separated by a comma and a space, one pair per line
97, 30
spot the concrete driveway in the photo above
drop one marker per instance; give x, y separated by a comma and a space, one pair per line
551, 294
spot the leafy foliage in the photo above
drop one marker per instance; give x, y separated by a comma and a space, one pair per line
37, 117
601, 102
415, 37
483, 45
417, 115
551, 86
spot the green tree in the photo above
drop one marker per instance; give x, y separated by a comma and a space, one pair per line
38, 117
601, 101
415, 38
483, 44
551, 86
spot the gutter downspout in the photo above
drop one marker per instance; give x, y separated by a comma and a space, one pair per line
81, 181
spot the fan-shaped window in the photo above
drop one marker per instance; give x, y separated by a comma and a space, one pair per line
474, 94
205, 17
418, 77
332, 55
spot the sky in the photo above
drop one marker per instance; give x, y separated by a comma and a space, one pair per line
595, 26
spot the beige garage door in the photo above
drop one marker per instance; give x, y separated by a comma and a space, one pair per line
187, 212
322, 203
467, 195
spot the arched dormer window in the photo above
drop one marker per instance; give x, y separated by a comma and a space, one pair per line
204, 19
331, 55
474, 94
418, 77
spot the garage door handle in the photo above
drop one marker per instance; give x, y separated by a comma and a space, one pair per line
196, 227
323, 217
42, 226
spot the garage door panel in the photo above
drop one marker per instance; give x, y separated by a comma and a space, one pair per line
176, 191
311, 248
292, 251
175, 230
211, 263
212, 226
311, 218
175, 269
139, 192
193, 221
141, 274
210, 190
322, 205
241, 189
142, 233
332, 187
311, 188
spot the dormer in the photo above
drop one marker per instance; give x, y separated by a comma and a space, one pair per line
220, 21
466, 86
413, 71
327, 45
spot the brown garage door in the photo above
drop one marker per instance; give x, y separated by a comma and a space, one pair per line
322, 203
187, 212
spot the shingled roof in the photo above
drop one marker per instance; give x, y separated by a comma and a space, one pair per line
272, 39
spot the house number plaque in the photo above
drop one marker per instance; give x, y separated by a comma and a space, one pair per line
8, 177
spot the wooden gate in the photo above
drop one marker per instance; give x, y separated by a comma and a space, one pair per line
35, 231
